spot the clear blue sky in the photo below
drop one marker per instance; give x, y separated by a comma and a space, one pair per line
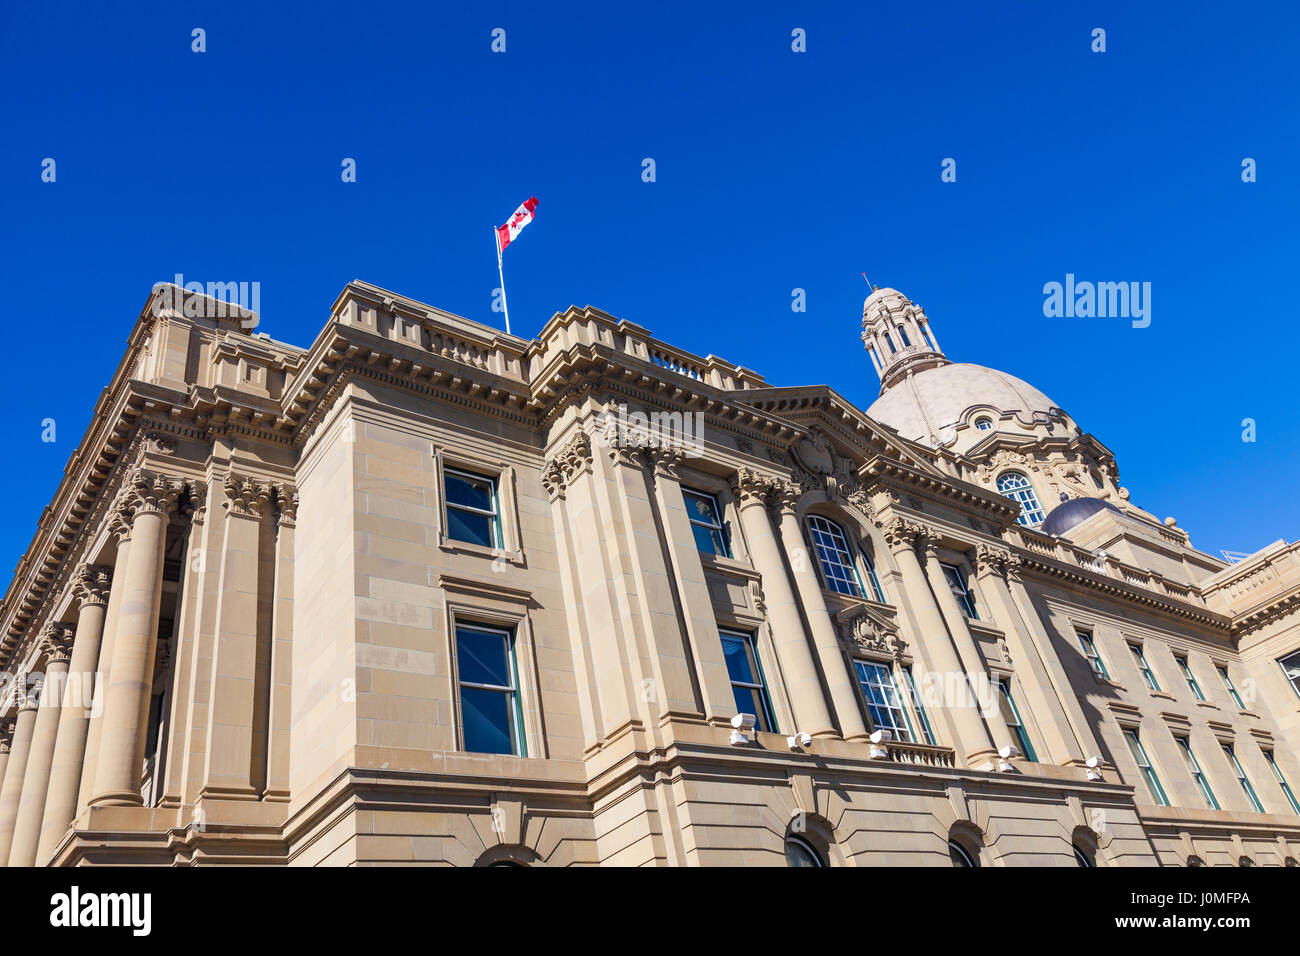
775, 170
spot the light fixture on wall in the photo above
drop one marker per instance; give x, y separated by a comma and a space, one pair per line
878, 740
799, 741
1094, 767
742, 729
1005, 754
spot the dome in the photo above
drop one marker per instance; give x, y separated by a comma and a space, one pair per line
1068, 514
927, 405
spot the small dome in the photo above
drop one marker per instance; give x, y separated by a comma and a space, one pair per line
934, 401
1069, 514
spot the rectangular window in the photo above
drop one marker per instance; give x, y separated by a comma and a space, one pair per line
1291, 668
877, 593
1090, 652
472, 513
1011, 714
835, 557
957, 585
1144, 767
910, 686
1190, 678
1227, 682
490, 714
1281, 780
706, 523
1143, 668
1194, 768
1242, 778
747, 683
883, 701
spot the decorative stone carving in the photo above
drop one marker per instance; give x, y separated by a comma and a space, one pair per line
247, 497
564, 467
863, 630
154, 493
818, 465
197, 506
784, 497
56, 642
756, 596
158, 444
901, 533
286, 497
667, 461
90, 584
751, 487
991, 560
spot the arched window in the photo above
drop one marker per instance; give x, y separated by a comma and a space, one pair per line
1195, 861
799, 852
835, 556
1083, 857
960, 856
1017, 487
984, 423
902, 337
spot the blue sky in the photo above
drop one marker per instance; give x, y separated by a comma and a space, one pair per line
776, 170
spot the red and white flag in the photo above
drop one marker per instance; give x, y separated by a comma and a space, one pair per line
523, 216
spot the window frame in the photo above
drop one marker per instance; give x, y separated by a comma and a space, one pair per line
986, 426
493, 515
513, 692
1197, 773
1230, 752
1271, 759
924, 719
1144, 667
1291, 678
850, 564
806, 847
1145, 768
1019, 732
971, 862
1185, 667
1091, 654
750, 640
1032, 513
965, 597
1232, 688
899, 704
720, 527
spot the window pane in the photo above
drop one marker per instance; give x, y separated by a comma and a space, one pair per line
736, 653
470, 527
483, 657
470, 491
798, 853
487, 718
700, 507
834, 555
709, 540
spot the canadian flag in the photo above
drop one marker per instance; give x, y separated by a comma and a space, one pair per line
522, 217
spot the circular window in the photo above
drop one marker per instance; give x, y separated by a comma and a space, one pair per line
983, 424
959, 856
800, 853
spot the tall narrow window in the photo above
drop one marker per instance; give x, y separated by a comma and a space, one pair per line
706, 522
1194, 768
1190, 678
1090, 652
472, 513
1242, 778
1281, 780
1016, 486
960, 590
490, 714
1227, 682
1291, 668
1144, 767
1011, 714
883, 702
902, 337
1143, 668
834, 556
747, 683
874, 581
915, 699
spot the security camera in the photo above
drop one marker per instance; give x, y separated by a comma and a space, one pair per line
882, 737
1009, 751
739, 738
743, 721
799, 741
878, 749
1094, 768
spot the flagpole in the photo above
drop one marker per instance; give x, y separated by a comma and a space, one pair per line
501, 274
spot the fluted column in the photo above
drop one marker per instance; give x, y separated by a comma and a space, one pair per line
91, 590
120, 523
793, 648
130, 680
57, 646
834, 667
20, 748
935, 647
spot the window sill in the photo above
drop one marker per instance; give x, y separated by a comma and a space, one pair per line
468, 547
1162, 694
1206, 703
1109, 682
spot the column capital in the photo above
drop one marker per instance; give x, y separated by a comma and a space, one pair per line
286, 497
90, 584
25, 697
751, 488
564, 466
784, 497
196, 508
56, 642
154, 493
667, 460
990, 559
123, 512
904, 534
246, 497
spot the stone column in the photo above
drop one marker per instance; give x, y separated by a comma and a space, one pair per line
6, 738
834, 667
281, 716
91, 589
20, 748
229, 768
57, 647
130, 680
120, 523
795, 656
972, 666
935, 648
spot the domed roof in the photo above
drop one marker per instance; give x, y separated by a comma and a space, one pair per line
929, 403
1068, 514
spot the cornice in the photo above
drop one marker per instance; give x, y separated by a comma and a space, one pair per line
881, 471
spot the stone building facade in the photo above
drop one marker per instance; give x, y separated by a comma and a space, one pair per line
428, 593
